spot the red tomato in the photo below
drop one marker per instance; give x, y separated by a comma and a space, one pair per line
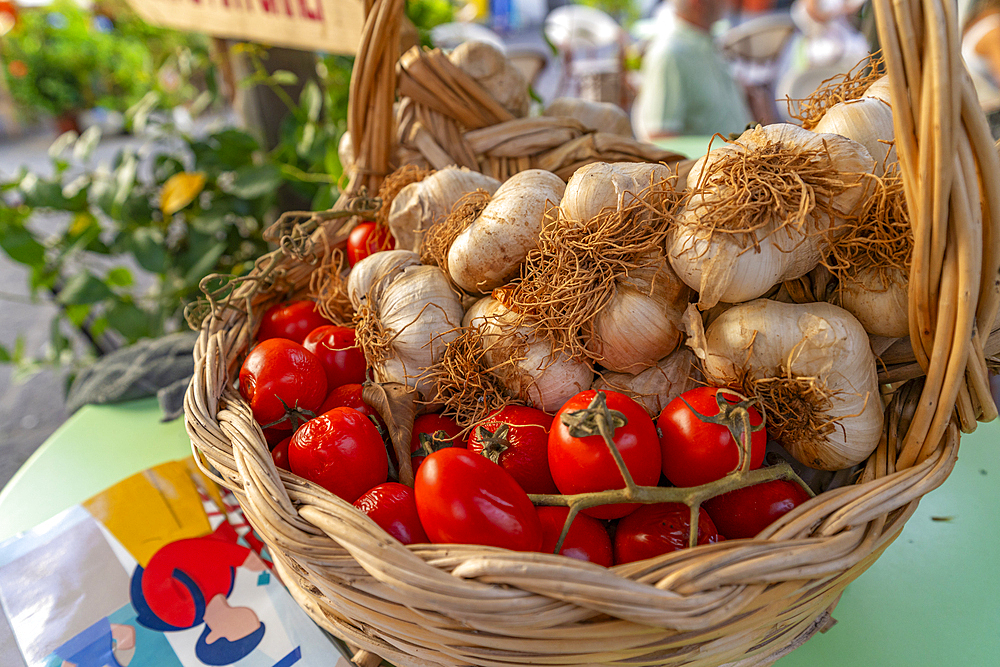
350, 396
280, 454
464, 498
278, 377
366, 239
696, 452
292, 320
586, 539
337, 350
433, 425
274, 435
585, 464
393, 507
745, 512
341, 451
657, 529
521, 449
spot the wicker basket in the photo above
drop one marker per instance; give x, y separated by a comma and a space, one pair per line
742, 602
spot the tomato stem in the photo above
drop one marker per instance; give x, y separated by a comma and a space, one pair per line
296, 415
736, 418
432, 442
494, 443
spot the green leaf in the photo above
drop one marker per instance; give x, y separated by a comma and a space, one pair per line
311, 100
125, 178
307, 139
60, 145
130, 321
324, 199
283, 77
6, 356
119, 277
255, 181
206, 259
230, 148
21, 246
85, 145
165, 166
78, 314
146, 245
84, 287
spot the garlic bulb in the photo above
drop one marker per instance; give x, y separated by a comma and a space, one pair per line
494, 72
599, 185
533, 372
880, 90
817, 360
656, 386
596, 116
641, 323
345, 151
882, 307
420, 205
868, 121
760, 207
491, 250
416, 313
373, 274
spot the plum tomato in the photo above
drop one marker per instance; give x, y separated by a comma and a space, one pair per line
657, 529
695, 450
517, 438
582, 464
281, 379
433, 425
586, 540
341, 451
350, 396
464, 498
292, 320
747, 511
280, 454
337, 350
366, 239
393, 507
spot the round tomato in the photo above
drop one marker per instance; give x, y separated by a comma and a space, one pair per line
586, 540
350, 396
282, 381
657, 529
464, 498
337, 350
366, 239
341, 451
747, 511
393, 507
697, 451
292, 320
280, 454
443, 430
583, 464
517, 438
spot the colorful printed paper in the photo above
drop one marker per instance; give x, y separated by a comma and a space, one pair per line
160, 570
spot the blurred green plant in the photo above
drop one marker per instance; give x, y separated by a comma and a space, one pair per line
425, 14
63, 58
626, 12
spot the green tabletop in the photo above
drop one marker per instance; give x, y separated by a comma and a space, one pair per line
931, 600
692, 146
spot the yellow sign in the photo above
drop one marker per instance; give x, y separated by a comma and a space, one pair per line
333, 26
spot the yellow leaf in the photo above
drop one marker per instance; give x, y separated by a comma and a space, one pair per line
180, 190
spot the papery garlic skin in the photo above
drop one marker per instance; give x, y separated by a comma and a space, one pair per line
868, 121
600, 185
418, 309
880, 89
375, 272
766, 338
656, 386
883, 309
721, 268
496, 73
543, 378
489, 252
419, 205
597, 116
642, 322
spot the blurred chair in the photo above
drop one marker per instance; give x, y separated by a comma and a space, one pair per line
449, 35
755, 48
592, 45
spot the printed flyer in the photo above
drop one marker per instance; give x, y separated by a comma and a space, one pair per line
160, 570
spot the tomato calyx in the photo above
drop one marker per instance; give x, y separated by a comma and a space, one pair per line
432, 442
598, 419
495, 443
736, 418
295, 415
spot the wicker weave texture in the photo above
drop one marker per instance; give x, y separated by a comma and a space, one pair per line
740, 603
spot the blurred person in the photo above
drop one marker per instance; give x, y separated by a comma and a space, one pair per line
981, 52
687, 87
